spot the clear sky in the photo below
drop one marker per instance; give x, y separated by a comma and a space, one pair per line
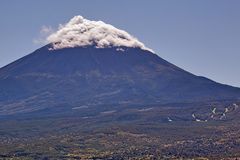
202, 36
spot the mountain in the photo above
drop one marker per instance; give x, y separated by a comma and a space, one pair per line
96, 92
78, 76
91, 63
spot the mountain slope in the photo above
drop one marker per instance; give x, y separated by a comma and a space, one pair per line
98, 76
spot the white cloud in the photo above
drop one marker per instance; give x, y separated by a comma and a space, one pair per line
82, 32
45, 31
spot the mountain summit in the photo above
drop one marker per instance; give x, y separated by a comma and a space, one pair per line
92, 63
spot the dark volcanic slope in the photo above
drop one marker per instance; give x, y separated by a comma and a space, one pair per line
90, 76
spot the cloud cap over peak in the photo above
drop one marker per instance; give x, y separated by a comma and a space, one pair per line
83, 32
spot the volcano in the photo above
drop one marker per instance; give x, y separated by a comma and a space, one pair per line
99, 76
99, 72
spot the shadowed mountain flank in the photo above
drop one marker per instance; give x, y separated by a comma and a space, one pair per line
98, 76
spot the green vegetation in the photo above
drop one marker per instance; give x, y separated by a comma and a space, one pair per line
134, 133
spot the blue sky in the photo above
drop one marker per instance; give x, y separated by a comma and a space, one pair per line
202, 37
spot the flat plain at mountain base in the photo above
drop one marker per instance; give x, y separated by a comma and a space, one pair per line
136, 132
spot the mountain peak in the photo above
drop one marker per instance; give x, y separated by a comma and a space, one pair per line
81, 32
